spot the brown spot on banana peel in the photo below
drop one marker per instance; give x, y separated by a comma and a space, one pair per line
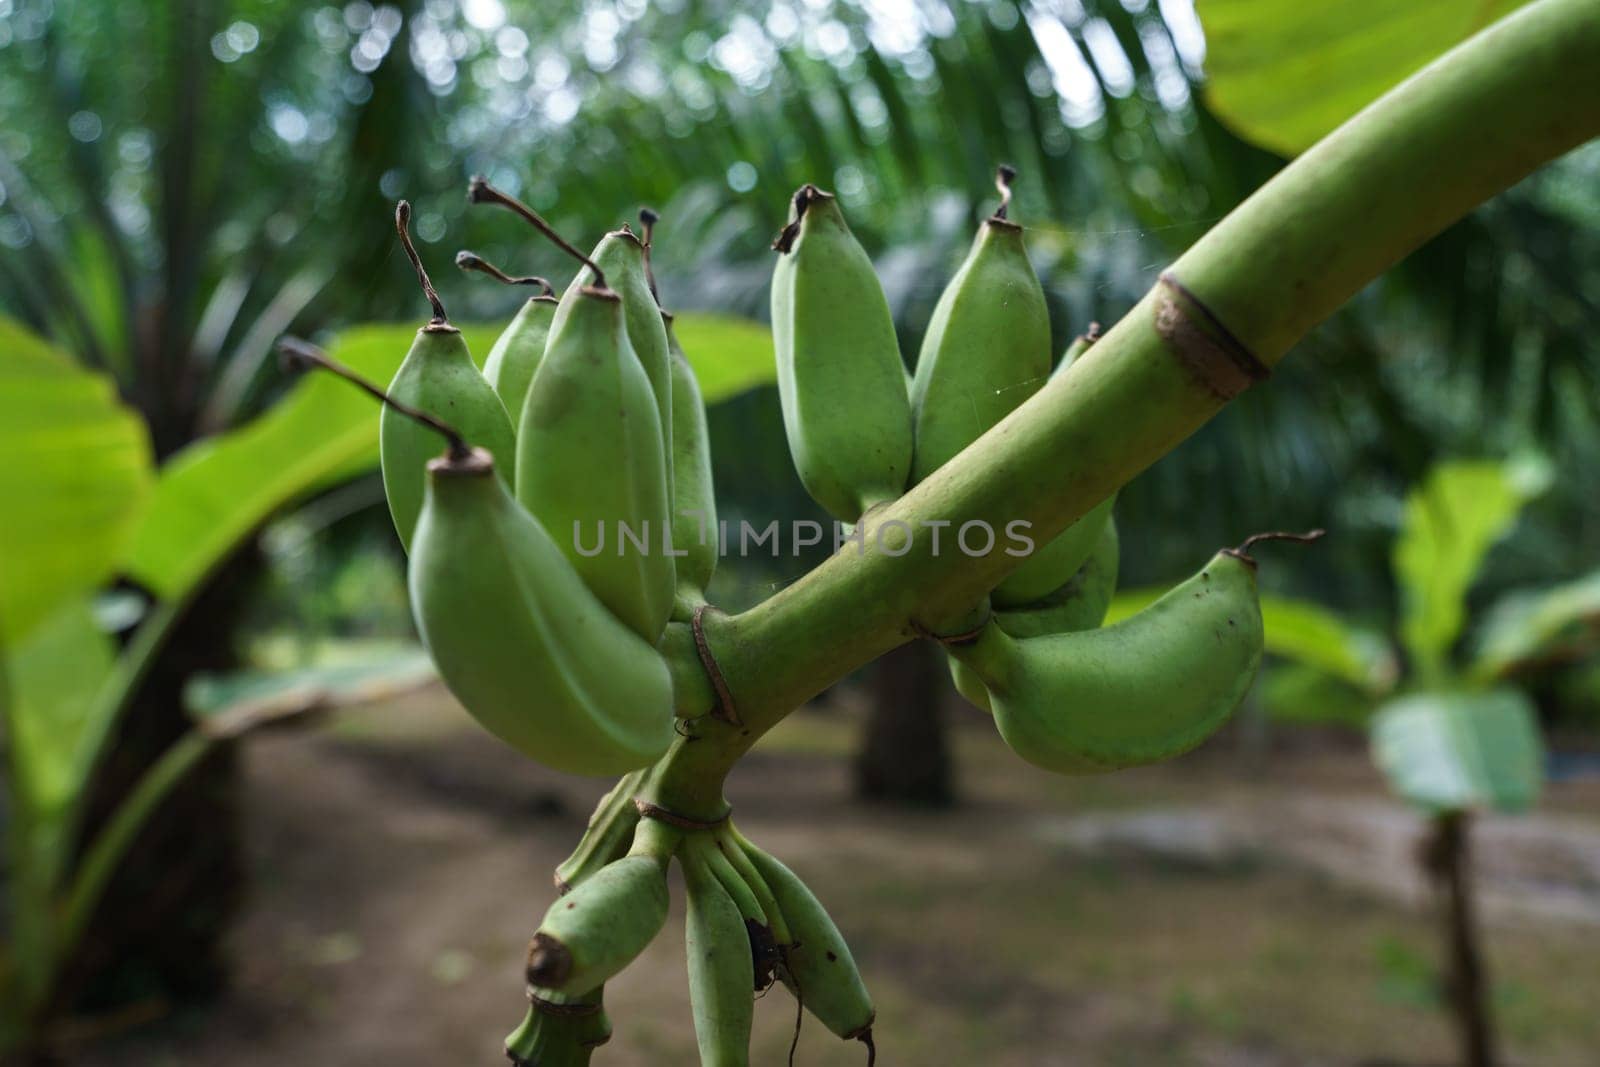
1216, 359
803, 198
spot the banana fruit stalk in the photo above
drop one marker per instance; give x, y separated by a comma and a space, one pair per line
694, 499
591, 460
1146, 689
987, 348
559, 1031
841, 382
517, 353
536, 658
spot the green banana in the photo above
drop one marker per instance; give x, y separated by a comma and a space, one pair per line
818, 966
1054, 563
841, 382
517, 351
620, 255
694, 498
516, 635
606, 838
721, 972
1146, 689
987, 348
591, 434
439, 377
596, 930
1079, 605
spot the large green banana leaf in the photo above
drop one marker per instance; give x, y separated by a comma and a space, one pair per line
75, 477
1535, 626
1460, 751
1284, 73
1450, 522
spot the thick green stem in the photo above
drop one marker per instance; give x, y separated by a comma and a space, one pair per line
1483, 116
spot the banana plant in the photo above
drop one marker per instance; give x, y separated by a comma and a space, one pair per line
1453, 731
73, 649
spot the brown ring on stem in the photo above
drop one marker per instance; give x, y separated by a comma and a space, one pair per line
479, 191
469, 260
301, 354
729, 712
1208, 350
402, 224
1242, 551
647, 810
566, 1010
966, 637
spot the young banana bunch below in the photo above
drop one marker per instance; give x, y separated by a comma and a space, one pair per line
1146, 689
841, 382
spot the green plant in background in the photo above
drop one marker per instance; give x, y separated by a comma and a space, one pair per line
1216, 322
1454, 733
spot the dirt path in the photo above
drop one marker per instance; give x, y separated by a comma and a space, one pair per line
1188, 915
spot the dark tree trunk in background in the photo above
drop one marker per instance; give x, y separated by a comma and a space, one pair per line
904, 756
1466, 982
157, 933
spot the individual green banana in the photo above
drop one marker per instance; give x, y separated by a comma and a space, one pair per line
519, 348
439, 377
987, 348
521, 641
721, 972
1146, 689
606, 838
1079, 605
621, 256
1054, 563
593, 932
841, 381
694, 498
819, 968
596, 473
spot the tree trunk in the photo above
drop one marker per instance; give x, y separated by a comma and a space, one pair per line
904, 757
1466, 980
156, 935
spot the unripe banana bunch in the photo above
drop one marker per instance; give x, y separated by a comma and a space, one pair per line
1146, 689
533, 654
841, 381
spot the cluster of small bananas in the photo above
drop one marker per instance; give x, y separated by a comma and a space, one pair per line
588, 416
1066, 695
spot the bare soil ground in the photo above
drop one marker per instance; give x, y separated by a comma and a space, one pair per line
1224, 910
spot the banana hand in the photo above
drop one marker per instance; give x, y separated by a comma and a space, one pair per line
535, 657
